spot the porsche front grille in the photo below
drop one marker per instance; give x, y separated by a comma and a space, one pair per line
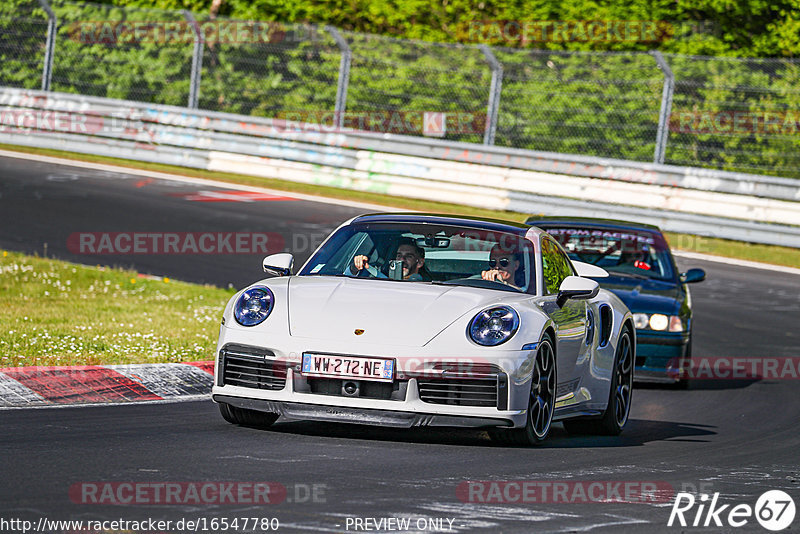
478, 386
251, 368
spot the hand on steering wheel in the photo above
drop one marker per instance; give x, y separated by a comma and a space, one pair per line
493, 275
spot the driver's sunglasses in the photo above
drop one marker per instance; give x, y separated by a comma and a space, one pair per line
503, 262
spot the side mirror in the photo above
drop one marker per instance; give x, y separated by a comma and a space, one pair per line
576, 287
587, 270
279, 264
693, 275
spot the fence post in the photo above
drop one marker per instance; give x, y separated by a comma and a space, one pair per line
197, 60
52, 23
666, 108
344, 76
494, 95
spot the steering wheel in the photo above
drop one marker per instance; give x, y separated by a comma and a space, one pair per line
369, 272
479, 277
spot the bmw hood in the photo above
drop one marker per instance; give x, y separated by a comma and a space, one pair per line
645, 296
387, 312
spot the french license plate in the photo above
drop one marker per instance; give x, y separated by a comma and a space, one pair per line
357, 367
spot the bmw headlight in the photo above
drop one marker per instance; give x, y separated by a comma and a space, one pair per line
658, 322
253, 306
640, 320
494, 326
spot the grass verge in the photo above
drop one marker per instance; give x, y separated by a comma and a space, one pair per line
707, 245
58, 313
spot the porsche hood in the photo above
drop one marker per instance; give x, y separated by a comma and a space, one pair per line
378, 311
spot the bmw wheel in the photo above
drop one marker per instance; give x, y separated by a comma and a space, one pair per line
685, 367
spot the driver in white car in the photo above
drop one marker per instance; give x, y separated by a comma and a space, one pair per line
503, 266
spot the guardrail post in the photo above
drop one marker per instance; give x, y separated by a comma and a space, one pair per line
50, 47
197, 60
666, 107
494, 95
344, 76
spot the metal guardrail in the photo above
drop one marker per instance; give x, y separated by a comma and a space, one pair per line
684, 199
587, 166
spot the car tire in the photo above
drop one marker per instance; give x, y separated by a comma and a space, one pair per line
541, 402
683, 383
615, 416
245, 417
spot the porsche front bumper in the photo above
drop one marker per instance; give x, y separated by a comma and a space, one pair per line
264, 380
365, 416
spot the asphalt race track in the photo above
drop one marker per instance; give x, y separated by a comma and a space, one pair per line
738, 438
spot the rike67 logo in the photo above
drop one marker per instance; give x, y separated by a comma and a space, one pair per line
774, 510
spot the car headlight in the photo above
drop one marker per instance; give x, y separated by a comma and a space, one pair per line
253, 306
657, 321
640, 320
494, 326
675, 324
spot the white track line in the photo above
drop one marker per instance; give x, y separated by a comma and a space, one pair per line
734, 261
190, 180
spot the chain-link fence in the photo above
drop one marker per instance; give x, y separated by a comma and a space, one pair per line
281, 68
94, 56
23, 44
604, 104
408, 77
732, 114
740, 114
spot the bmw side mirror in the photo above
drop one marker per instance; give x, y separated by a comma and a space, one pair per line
576, 287
279, 264
693, 275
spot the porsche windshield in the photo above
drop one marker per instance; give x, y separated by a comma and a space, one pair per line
625, 252
426, 253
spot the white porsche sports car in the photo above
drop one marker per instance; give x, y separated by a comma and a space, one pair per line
409, 319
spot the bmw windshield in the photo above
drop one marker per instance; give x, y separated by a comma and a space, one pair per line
624, 252
427, 253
